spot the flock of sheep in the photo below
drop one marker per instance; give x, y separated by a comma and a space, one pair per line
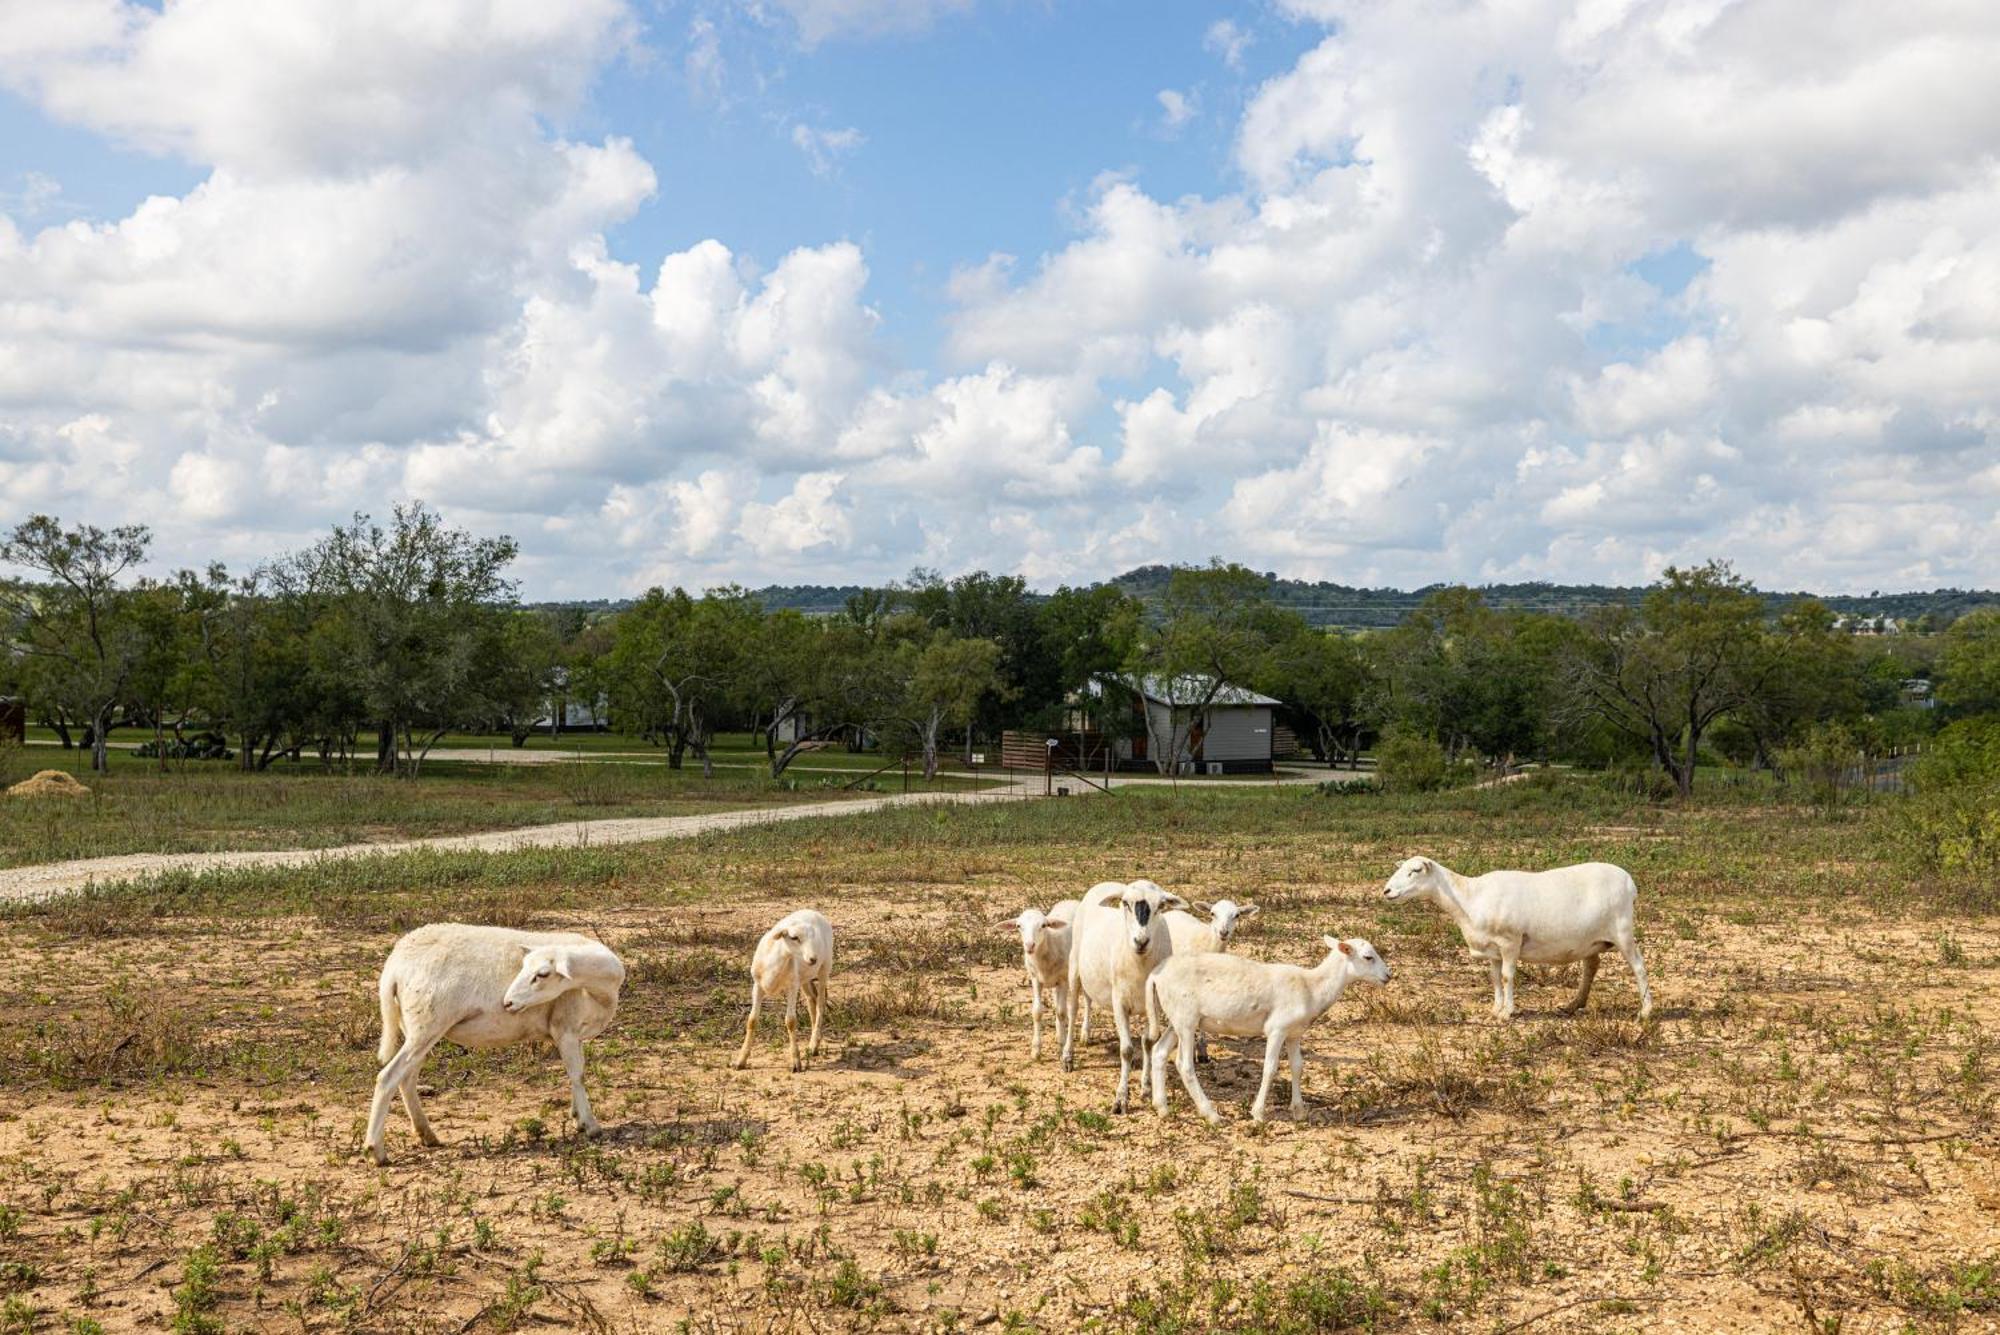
1125, 947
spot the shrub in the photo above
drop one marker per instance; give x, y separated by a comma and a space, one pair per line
1827, 762
1409, 763
1952, 820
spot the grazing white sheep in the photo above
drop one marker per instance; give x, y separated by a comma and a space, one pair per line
1045, 956
1567, 916
1116, 942
485, 987
1233, 997
795, 955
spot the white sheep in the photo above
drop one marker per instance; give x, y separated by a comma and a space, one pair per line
795, 955
1065, 912
1567, 916
1116, 941
1045, 956
485, 987
1192, 936
1232, 997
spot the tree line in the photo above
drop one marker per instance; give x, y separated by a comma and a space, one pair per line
371, 645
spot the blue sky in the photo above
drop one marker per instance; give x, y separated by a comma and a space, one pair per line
692, 293
980, 134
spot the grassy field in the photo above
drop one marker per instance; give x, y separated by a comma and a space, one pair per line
210, 805
1802, 1138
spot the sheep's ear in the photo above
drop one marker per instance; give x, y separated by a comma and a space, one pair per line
1170, 901
1203, 906
1344, 948
1248, 911
1054, 926
561, 961
1009, 922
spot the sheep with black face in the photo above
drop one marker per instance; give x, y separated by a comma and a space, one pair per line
1116, 941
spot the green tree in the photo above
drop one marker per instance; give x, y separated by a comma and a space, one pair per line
412, 606
1664, 673
1213, 629
946, 678
1969, 664
76, 618
523, 670
1323, 678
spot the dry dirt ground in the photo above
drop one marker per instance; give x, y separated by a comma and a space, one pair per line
1801, 1139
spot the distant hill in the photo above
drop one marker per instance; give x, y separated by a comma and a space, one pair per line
1327, 604
1345, 605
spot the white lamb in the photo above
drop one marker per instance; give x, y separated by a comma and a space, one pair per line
485, 987
1116, 942
1192, 936
1567, 916
1045, 956
1232, 997
795, 955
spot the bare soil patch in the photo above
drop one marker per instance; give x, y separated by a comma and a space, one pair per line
1804, 1137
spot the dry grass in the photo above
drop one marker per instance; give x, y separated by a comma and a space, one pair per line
1802, 1138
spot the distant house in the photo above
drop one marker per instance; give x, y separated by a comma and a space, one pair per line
563, 714
1234, 734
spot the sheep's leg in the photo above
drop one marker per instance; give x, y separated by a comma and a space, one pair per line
1035, 1046
1509, 959
792, 1023
1297, 1051
750, 1025
1152, 1032
1629, 948
1201, 1048
1161, 1051
413, 1105
571, 1048
1069, 1036
817, 998
403, 1066
1499, 992
1085, 1003
1582, 997
1123, 1023
1274, 1048
1065, 1006
1184, 1063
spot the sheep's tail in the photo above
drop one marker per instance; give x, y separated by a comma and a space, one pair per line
392, 1020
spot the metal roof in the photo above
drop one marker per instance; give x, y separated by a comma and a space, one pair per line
1187, 691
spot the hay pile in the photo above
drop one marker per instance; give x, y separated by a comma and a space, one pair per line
49, 783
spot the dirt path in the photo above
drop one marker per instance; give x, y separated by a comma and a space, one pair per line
53, 878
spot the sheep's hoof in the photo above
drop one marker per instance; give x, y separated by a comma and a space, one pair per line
739, 1063
431, 1141
380, 1156
591, 1132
